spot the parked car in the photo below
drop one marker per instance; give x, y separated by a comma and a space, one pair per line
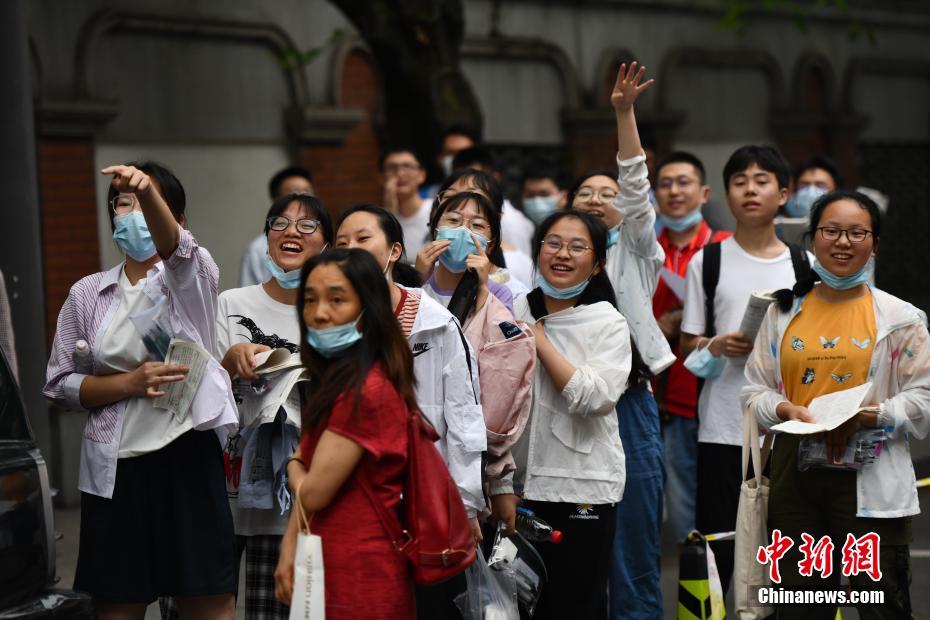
27, 537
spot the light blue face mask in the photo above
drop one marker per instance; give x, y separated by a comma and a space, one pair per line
538, 208
561, 293
703, 364
842, 283
613, 235
333, 340
131, 234
683, 223
800, 204
462, 245
287, 279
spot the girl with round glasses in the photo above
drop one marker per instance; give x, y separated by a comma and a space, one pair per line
252, 320
829, 333
570, 461
154, 516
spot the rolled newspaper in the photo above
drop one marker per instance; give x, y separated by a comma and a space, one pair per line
756, 308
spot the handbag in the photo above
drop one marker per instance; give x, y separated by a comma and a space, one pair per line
308, 601
751, 524
435, 536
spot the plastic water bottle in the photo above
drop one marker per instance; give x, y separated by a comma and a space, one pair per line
83, 363
535, 529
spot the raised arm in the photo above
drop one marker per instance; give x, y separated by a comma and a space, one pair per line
627, 89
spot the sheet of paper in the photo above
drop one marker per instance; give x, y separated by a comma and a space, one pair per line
260, 400
829, 411
674, 282
180, 394
275, 360
756, 308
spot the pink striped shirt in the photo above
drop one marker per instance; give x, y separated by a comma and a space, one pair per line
189, 278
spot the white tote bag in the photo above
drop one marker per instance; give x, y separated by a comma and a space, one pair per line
309, 600
751, 524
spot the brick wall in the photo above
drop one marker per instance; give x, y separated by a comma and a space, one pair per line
67, 200
347, 173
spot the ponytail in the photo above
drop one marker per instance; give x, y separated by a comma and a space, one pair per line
785, 297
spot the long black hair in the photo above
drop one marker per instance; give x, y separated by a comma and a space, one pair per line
785, 297
599, 286
382, 340
402, 273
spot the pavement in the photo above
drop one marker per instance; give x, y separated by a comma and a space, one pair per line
67, 522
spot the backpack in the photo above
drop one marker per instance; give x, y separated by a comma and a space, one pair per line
437, 539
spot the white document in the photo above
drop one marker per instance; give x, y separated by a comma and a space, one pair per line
274, 360
756, 308
830, 411
259, 405
674, 282
180, 394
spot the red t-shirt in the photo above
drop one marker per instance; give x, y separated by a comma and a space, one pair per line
366, 577
681, 385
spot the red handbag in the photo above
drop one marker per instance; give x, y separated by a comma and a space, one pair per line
437, 539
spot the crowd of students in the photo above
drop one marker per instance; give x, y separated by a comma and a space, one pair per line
581, 357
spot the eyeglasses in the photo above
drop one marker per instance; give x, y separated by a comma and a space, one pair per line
304, 226
586, 194
553, 245
123, 204
454, 219
402, 167
854, 235
683, 182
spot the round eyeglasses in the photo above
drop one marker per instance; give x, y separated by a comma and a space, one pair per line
305, 226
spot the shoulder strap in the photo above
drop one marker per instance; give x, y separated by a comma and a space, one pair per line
471, 373
799, 262
710, 276
400, 537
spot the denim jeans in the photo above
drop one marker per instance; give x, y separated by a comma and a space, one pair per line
680, 437
635, 575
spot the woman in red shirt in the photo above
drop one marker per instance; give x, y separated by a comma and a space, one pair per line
361, 390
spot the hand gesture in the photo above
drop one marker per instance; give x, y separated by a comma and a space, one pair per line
734, 344
145, 380
239, 360
628, 86
504, 509
479, 262
427, 257
128, 179
539, 330
390, 194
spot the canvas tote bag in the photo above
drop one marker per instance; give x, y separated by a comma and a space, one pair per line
309, 599
751, 523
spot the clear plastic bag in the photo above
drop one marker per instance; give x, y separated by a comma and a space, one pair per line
520, 568
154, 325
863, 448
486, 597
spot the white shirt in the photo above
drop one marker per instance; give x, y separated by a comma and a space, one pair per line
741, 273
416, 230
249, 314
253, 270
145, 428
517, 229
521, 269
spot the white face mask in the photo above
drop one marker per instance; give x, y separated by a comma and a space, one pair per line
446, 163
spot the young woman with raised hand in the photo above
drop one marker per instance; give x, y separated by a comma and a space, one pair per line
154, 515
570, 462
251, 320
360, 395
833, 332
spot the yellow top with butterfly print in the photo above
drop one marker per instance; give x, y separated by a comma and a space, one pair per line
827, 347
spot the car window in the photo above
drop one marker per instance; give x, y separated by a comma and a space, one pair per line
13, 422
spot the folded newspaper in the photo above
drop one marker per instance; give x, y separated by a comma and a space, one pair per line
275, 360
180, 394
829, 411
276, 387
756, 308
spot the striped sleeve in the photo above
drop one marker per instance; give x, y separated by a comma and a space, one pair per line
63, 384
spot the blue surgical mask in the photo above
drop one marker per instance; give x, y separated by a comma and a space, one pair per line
462, 245
333, 340
703, 364
561, 293
287, 279
800, 204
842, 283
613, 235
683, 223
539, 207
131, 234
